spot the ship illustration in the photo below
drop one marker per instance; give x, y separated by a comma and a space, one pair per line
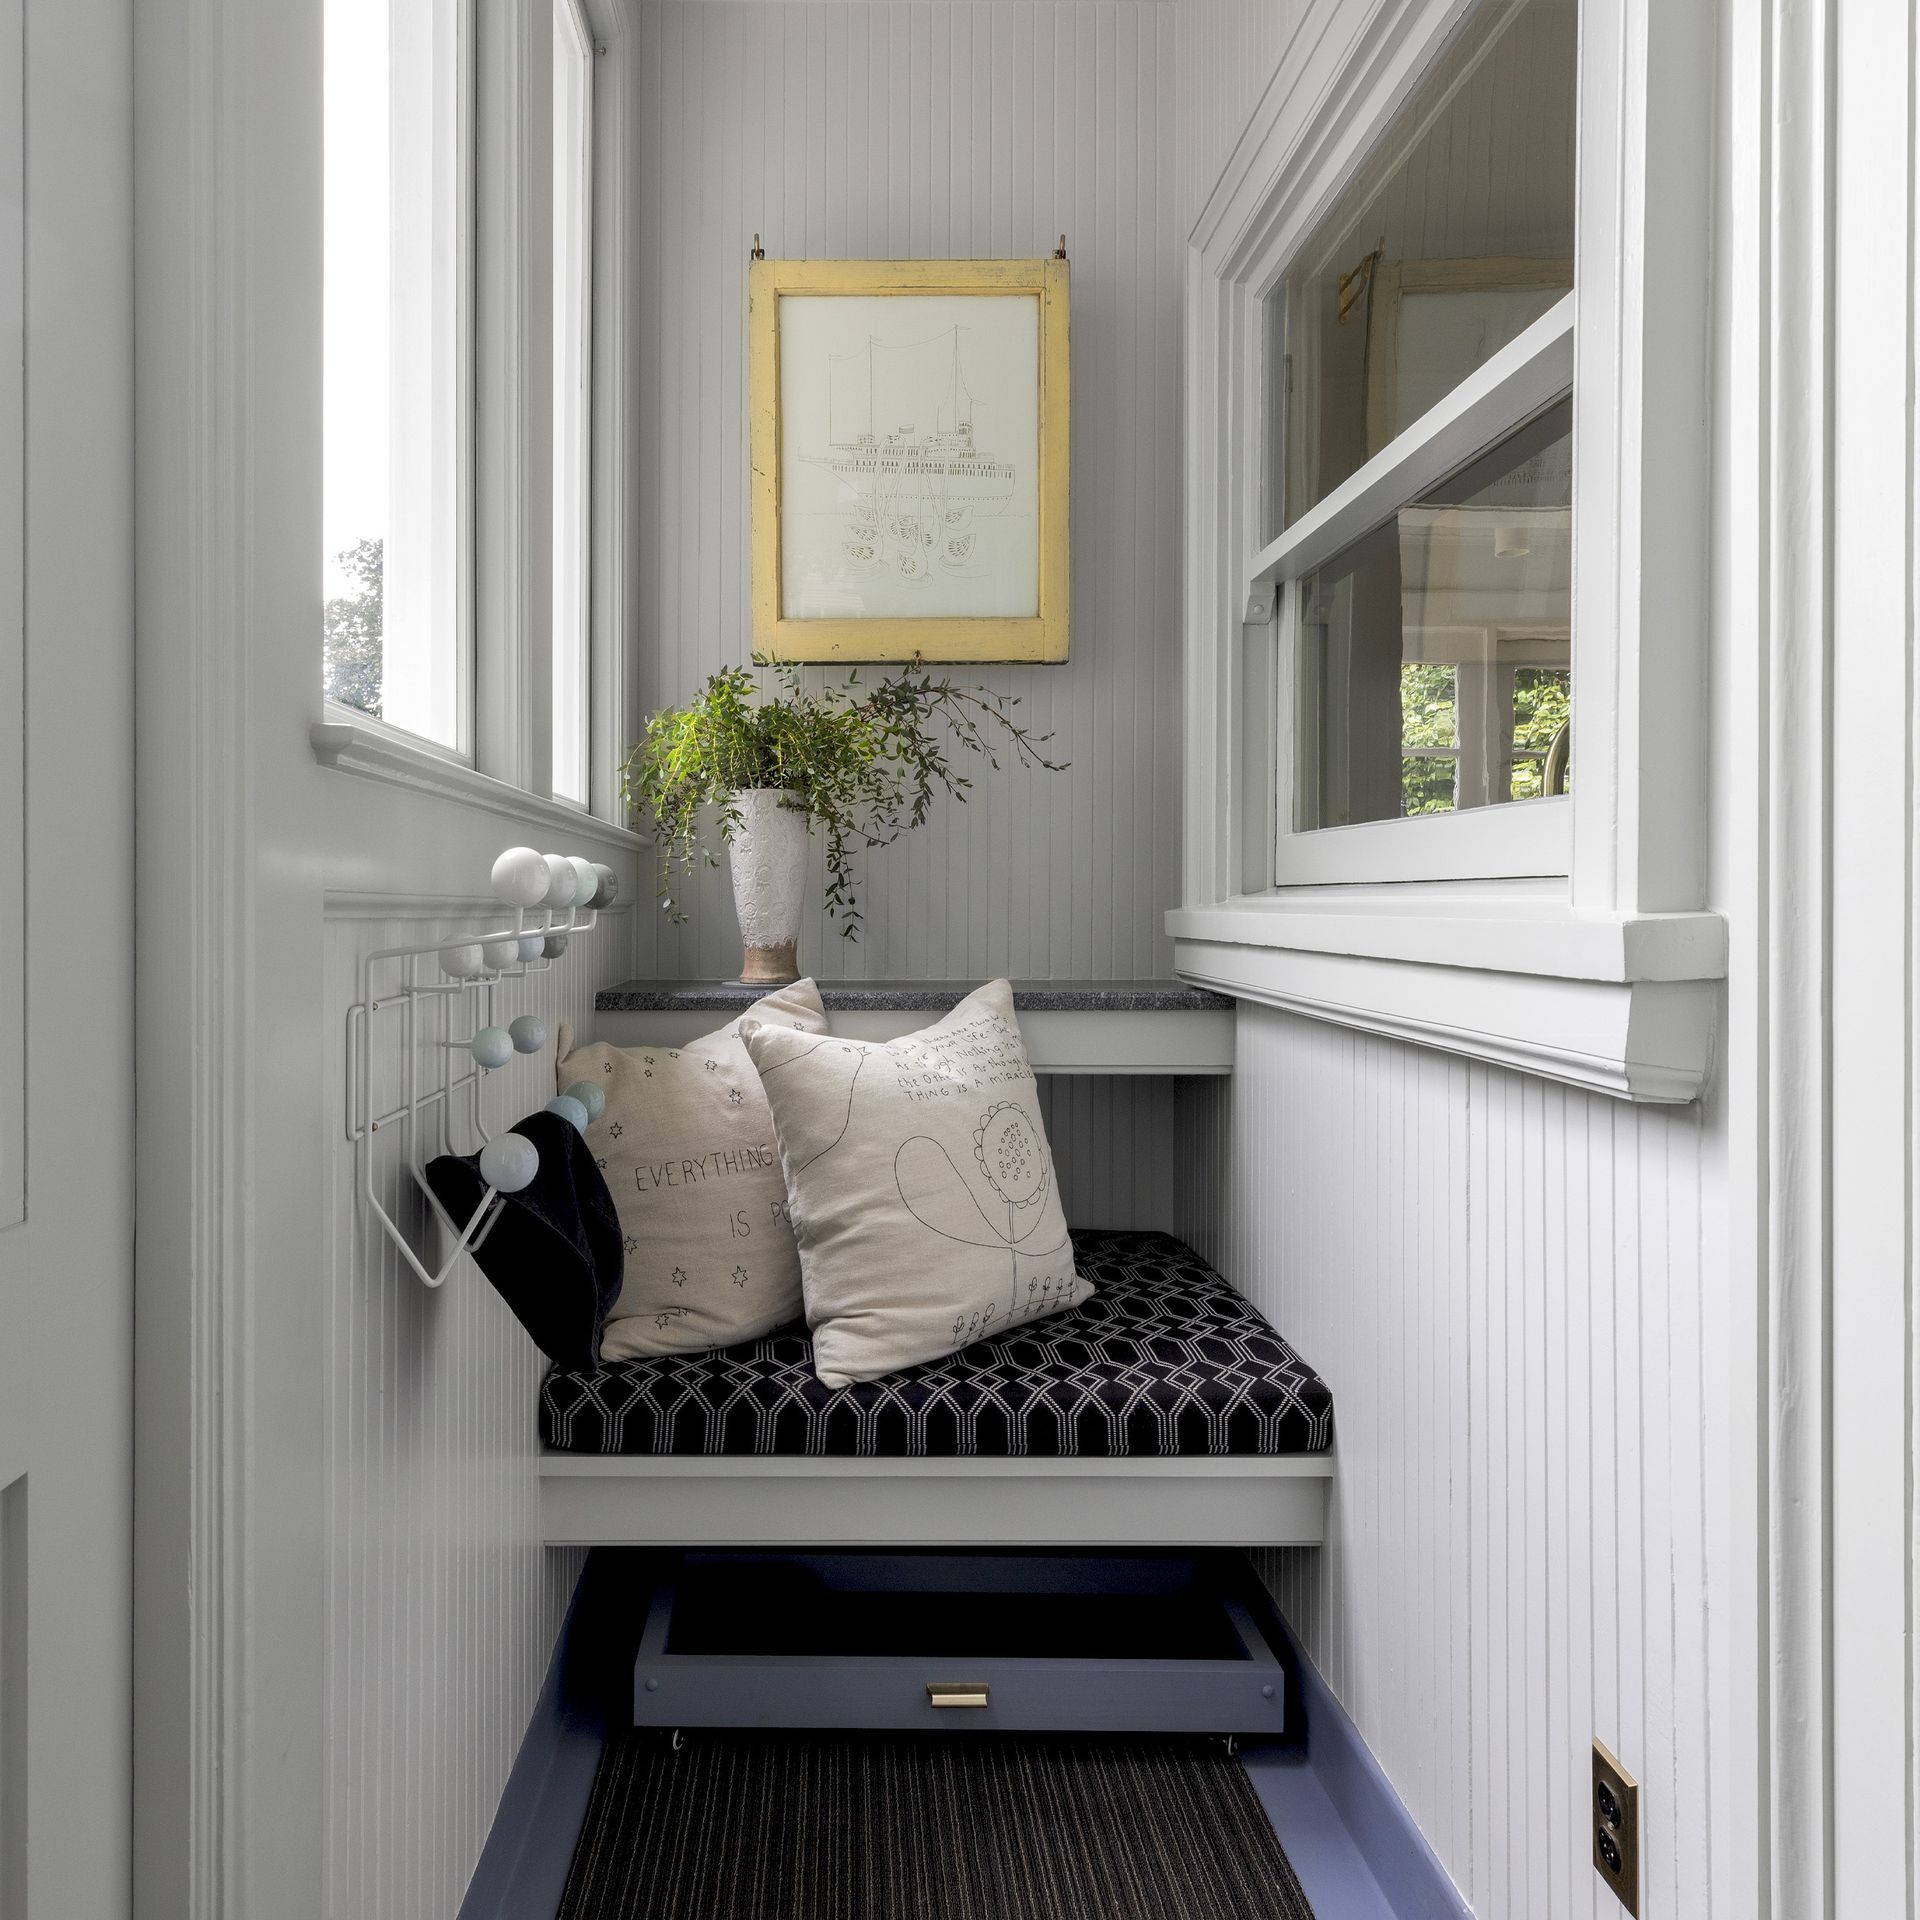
913, 485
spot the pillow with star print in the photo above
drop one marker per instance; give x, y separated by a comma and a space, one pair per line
686, 1144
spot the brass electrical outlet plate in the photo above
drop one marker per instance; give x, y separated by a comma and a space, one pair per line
1615, 1812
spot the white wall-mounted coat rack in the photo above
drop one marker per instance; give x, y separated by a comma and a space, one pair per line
445, 996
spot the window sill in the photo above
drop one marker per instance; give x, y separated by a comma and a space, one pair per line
377, 755
1623, 1004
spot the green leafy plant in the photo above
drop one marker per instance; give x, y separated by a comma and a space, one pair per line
865, 761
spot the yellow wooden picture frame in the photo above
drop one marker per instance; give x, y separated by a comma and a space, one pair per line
1042, 637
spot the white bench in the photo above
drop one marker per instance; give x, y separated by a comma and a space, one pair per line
1277, 1500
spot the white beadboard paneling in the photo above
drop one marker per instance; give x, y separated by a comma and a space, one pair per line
442, 1605
898, 131
1228, 52
1504, 1283
1112, 1138
1508, 1285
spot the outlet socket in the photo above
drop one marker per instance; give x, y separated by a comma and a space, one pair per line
1614, 1810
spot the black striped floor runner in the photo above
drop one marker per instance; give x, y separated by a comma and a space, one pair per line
925, 1827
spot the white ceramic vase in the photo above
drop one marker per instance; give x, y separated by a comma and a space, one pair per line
769, 860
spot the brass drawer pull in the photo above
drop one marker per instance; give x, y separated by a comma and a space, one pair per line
956, 1693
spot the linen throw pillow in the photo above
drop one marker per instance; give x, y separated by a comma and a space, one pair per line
921, 1186
686, 1144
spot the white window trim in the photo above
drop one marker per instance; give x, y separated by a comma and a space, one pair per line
572, 258
506, 580
612, 434
1522, 838
1524, 377
435, 517
1635, 829
349, 743
460, 749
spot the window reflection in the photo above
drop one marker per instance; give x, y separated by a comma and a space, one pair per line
1435, 654
1453, 237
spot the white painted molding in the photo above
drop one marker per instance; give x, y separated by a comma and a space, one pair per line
1648, 1040
221, 96
1465, 846
1426, 927
13, 608
379, 755
616, 720
1782, 1035
512, 397
1641, 522
1869, 643
1195, 1500
555, 1465
1309, 87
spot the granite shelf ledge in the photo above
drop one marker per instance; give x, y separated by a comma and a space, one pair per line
1071, 1026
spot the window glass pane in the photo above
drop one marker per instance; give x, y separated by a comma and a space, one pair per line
1435, 653
1455, 234
572, 298
394, 366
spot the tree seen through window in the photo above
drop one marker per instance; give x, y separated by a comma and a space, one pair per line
1430, 733
352, 628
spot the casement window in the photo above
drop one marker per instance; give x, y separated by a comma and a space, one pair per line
572, 367
458, 510
1446, 537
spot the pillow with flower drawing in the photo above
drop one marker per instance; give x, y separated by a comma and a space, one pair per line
920, 1184
686, 1144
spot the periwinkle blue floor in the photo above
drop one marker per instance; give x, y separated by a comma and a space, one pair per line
1353, 1846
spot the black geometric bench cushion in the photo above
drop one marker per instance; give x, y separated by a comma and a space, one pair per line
1164, 1359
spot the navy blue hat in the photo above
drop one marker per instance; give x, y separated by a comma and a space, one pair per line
554, 1255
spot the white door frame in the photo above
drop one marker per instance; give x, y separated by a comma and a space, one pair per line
1815, 573
230, 1562
66, 957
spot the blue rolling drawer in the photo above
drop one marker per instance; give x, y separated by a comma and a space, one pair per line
962, 1642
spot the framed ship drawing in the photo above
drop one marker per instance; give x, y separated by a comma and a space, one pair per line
909, 459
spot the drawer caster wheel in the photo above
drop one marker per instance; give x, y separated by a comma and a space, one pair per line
1230, 1745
